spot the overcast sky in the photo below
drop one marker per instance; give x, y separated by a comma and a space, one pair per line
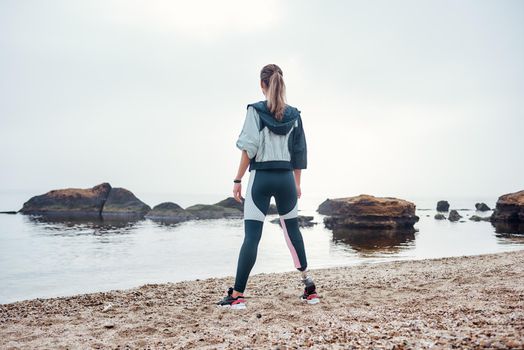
402, 98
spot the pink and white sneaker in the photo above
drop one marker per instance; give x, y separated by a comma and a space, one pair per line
310, 295
234, 303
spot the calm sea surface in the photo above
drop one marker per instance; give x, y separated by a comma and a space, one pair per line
40, 258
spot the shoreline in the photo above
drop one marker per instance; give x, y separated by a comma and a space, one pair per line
474, 301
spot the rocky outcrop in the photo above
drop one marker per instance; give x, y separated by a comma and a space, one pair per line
227, 208
122, 203
303, 221
231, 202
442, 206
508, 216
99, 201
366, 211
440, 217
510, 208
482, 207
169, 211
213, 211
454, 216
69, 202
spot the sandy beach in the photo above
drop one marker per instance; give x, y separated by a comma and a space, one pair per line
464, 302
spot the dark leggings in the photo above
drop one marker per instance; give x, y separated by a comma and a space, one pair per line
263, 184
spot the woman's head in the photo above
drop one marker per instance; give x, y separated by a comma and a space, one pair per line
272, 83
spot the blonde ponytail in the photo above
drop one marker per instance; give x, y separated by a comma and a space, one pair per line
272, 77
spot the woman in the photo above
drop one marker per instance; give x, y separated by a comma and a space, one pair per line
273, 144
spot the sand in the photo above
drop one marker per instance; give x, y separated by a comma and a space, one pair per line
464, 302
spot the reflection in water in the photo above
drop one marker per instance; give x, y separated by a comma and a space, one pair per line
508, 228
83, 225
387, 241
166, 222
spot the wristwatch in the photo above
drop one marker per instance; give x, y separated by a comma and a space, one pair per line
236, 181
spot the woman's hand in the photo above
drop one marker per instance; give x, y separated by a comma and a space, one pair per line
237, 192
297, 174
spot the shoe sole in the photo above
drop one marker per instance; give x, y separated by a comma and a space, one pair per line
234, 307
311, 301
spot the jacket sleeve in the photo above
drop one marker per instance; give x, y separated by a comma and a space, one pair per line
250, 135
299, 158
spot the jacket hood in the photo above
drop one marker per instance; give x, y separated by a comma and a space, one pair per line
291, 114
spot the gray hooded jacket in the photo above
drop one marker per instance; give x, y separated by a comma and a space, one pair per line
273, 144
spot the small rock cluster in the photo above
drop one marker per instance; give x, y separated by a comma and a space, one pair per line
454, 216
104, 201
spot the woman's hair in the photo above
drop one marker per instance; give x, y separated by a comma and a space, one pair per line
271, 75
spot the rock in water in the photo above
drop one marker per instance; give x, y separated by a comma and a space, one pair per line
510, 208
479, 218
123, 203
481, 207
99, 201
508, 215
169, 211
69, 202
369, 212
231, 202
440, 217
442, 206
213, 211
454, 216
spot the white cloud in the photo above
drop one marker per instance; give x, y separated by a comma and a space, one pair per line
198, 19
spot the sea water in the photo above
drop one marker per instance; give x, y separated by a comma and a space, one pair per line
47, 258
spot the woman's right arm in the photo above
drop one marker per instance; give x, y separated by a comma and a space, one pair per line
247, 141
242, 167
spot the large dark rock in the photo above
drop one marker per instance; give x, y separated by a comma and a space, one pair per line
482, 207
510, 208
213, 211
454, 216
367, 211
508, 215
122, 202
99, 201
169, 211
69, 202
442, 206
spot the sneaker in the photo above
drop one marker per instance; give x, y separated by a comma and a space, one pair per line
234, 303
310, 295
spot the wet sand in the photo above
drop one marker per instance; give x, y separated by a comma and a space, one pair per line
464, 302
